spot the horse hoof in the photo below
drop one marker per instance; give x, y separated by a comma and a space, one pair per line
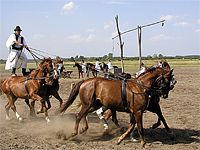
144, 145
20, 119
48, 120
134, 140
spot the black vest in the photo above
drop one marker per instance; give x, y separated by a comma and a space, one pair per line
22, 42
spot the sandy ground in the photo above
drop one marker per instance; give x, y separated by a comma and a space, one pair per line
181, 111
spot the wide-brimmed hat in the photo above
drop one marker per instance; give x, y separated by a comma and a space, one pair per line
17, 28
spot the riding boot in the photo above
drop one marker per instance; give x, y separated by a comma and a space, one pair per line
13, 71
24, 71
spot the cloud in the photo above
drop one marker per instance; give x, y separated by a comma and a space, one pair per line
168, 17
91, 30
160, 37
68, 7
182, 24
108, 25
75, 38
90, 37
78, 38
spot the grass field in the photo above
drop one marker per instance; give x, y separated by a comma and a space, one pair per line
130, 66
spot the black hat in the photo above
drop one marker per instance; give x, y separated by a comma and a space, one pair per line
17, 28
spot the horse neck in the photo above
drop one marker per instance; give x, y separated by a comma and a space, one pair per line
149, 78
37, 73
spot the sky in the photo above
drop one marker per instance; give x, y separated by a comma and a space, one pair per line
68, 28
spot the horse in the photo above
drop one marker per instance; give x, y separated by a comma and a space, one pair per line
28, 87
80, 70
153, 106
97, 92
91, 68
104, 67
52, 90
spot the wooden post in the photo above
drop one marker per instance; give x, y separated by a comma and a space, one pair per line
140, 45
121, 44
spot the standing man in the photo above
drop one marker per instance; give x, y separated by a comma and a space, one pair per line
17, 57
97, 65
110, 66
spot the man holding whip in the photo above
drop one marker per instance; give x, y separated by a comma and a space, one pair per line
16, 43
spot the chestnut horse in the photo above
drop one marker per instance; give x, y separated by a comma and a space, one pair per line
97, 92
51, 90
28, 87
153, 106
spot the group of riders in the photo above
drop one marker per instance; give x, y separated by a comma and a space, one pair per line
16, 43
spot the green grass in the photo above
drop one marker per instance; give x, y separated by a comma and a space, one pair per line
132, 66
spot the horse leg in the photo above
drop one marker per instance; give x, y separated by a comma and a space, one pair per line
57, 96
160, 118
84, 129
114, 118
83, 112
129, 130
7, 107
33, 106
79, 76
37, 97
32, 112
138, 117
13, 107
45, 112
99, 113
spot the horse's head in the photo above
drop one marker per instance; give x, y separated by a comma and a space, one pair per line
166, 82
47, 67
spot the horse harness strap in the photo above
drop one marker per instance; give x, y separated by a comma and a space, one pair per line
124, 94
26, 84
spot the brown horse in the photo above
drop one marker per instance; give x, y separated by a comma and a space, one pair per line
153, 106
28, 87
51, 90
97, 92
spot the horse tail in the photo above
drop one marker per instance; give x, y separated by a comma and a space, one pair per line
73, 94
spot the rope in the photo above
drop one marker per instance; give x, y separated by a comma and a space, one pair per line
42, 51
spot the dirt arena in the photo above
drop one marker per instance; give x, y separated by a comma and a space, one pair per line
181, 111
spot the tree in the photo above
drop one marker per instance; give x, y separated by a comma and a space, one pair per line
81, 57
110, 55
160, 56
154, 56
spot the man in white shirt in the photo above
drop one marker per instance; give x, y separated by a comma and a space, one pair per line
97, 65
141, 71
83, 64
17, 57
110, 66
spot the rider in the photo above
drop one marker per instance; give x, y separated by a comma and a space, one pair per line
15, 44
83, 64
142, 70
60, 65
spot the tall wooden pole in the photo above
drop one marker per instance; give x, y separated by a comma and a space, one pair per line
140, 45
121, 43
